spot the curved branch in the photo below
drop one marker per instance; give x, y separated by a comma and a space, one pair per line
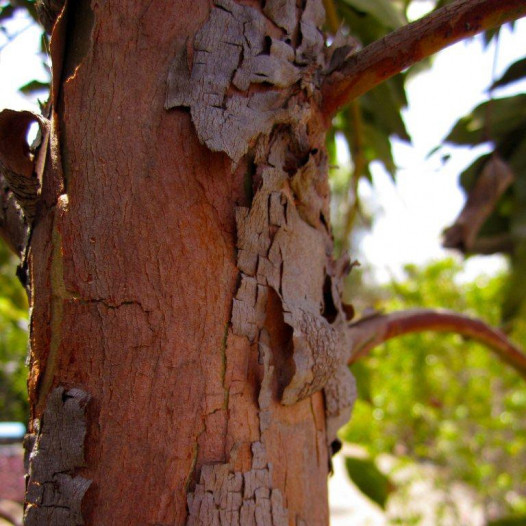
404, 47
370, 332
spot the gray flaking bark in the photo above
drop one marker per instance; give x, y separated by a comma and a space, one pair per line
312, 42
340, 396
282, 13
293, 262
54, 494
243, 80
225, 498
229, 50
278, 248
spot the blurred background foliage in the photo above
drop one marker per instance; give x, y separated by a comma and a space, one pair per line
428, 398
442, 400
424, 399
13, 341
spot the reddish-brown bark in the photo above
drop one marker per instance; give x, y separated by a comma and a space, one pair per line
134, 271
190, 336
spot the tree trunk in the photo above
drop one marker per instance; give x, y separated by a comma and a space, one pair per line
189, 346
186, 343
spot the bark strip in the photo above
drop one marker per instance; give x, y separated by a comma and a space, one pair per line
54, 494
17, 161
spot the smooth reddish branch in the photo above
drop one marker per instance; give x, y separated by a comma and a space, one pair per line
370, 332
410, 44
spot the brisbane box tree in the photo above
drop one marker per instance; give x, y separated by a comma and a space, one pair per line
189, 343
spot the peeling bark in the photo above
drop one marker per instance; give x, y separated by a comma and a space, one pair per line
206, 323
230, 50
53, 453
21, 173
225, 498
284, 245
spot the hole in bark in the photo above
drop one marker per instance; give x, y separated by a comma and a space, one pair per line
330, 312
334, 448
348, 310
249, 179
294, 160
267, 44
280, 340
32, 133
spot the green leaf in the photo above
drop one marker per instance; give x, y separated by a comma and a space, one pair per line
382, 107
383, 10
515, 72
490, 120
369, 479
6, 11
469, 176
34, 86
378, 148
362, 374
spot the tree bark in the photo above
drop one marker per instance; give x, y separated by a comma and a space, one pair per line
189, 346
369, 332
155, 342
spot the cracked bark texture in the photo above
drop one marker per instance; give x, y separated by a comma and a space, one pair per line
204, 324
53, 453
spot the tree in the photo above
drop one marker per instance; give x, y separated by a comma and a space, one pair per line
189, 344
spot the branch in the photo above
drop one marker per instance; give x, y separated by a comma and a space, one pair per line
370, 332
13, 229
18, 166
404, 47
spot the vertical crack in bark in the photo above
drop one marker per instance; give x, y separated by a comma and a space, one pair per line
54, 493
59, 294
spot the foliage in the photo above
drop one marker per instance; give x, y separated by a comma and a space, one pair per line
502, 123
441, 399
13, 341
8, 8
369, 479
366, 126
